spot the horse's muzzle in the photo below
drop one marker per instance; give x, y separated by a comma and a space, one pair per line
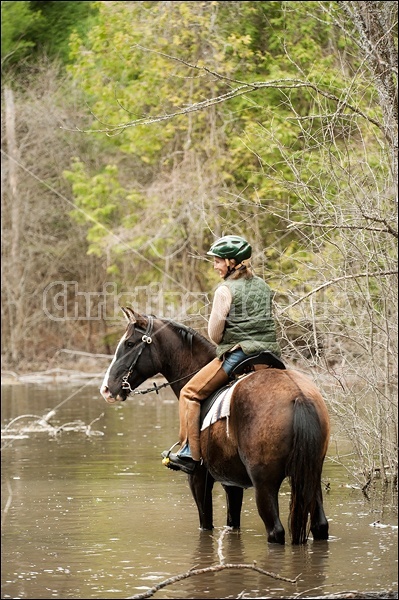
108, 397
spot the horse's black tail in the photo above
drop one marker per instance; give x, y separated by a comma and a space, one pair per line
304, 467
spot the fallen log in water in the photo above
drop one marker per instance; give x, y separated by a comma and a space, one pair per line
342, 595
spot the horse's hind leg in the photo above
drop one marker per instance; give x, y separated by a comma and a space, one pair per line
266, 496
318, 520
201, 485
234, 497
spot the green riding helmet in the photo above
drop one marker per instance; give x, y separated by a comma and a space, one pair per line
231, 246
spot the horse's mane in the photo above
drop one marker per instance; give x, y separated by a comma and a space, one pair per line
189, 333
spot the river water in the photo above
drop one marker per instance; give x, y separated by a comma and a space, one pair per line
89, 511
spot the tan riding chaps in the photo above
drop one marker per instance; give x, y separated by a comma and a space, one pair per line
209, 379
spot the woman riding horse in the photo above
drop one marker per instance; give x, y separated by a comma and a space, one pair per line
240, 324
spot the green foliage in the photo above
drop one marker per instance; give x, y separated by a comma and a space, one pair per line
16, 21
274, 143
60, 19
31, 29
101, 202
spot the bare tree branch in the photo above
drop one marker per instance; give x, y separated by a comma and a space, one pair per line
332, 281
337, 227
243, 88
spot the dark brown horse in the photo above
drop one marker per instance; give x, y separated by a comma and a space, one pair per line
278, 427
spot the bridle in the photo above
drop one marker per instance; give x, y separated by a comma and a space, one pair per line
145, 339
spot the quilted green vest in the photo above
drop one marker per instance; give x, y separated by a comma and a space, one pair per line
249, 322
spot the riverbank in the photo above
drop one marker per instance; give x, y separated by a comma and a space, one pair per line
66, 366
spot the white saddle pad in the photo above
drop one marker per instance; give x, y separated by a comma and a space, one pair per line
221, 407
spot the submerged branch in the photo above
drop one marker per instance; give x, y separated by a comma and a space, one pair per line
213, 569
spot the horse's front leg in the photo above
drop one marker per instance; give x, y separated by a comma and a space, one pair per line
234, 496
201, 485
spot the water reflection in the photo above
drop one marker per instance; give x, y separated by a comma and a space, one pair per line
98, 516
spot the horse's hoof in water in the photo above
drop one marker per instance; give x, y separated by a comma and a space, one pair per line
276, 539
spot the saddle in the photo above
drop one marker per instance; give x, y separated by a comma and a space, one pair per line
264, 359
267, 359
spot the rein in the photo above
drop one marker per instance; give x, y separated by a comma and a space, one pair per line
147, 339
155, 388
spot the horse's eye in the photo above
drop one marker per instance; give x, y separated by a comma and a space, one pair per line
130, 344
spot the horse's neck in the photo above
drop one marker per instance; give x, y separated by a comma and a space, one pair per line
182, 358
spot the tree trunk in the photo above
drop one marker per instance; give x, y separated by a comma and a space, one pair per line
13, 281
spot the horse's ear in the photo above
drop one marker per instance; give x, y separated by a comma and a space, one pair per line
134, 317
129, 314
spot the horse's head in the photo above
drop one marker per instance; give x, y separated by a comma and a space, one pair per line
134, 359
